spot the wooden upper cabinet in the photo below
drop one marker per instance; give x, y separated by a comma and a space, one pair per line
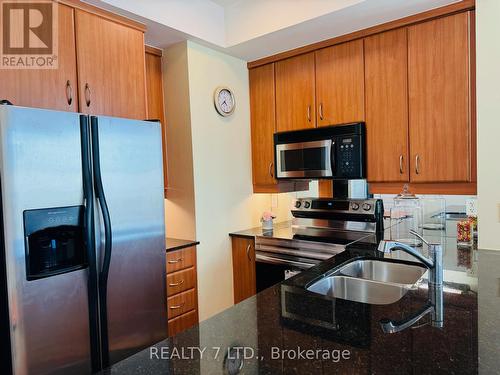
243, 268
154, 97
340, 84
262, 114
295, 93
111, 69
386, 94
439, 100
47, 88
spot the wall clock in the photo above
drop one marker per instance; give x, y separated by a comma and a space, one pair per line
224, 101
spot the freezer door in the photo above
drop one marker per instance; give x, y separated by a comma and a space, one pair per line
131, 170
42, 198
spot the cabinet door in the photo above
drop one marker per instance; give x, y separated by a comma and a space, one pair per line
387, 106
295, 97
154, 96
439, 102
47, 88
340, 83
262, 110
111, 69
243, 268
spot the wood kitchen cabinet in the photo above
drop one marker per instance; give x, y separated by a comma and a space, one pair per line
386, 88
182, 290
47, 88
340, 84
263, 126
111, 68
295, 93
439, 100
244, 281
154, 98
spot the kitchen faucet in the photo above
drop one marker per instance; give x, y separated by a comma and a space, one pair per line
435, 284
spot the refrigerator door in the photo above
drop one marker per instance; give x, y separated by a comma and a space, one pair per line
45, 260
128, 164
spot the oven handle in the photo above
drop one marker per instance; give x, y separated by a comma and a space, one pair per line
286, 262
333, 156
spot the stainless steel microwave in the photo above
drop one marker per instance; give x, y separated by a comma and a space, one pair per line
332, 152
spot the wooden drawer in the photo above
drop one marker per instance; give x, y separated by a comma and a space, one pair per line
182, 322
180, 281
181, 303
181, 259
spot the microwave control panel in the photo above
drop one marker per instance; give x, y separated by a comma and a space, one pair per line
349, 163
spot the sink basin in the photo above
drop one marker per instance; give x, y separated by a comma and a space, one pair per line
377, 270
374, 282
359, 290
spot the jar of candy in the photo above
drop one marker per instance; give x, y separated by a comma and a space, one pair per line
464, 233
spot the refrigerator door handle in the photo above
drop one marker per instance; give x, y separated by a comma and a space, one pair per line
89, 239
103, 275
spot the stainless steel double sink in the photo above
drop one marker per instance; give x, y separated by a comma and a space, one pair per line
369, 281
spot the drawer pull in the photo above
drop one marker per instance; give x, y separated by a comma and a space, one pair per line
177, 284
417, 164
400, 164
177, 306
174, 261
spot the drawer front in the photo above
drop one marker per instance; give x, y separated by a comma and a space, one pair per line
181, 303
180, 281
181, 259
182, 322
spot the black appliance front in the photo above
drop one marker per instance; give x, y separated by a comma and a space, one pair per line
333, 152
54, 241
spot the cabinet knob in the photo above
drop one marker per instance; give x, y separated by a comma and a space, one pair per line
87, 94
69, 92
417, 164
401, 164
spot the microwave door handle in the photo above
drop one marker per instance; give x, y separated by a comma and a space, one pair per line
333, 155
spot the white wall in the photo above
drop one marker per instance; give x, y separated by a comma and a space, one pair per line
221, 166
488, 124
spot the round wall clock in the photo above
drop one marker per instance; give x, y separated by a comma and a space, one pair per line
224, 101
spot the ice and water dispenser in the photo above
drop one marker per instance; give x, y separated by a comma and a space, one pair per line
54, 241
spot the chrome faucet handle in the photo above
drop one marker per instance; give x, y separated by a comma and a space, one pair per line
414, 232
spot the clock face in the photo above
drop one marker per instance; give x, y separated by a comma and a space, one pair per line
224, 101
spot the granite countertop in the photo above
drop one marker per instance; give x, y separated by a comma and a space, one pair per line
173, 244
273, 341
281, 230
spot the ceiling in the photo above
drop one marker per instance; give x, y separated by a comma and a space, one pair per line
252, 29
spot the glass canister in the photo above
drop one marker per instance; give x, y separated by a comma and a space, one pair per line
407, 215
434, 213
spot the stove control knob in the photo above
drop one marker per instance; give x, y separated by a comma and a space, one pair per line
367, 206
307, 204
355, 206
298, 204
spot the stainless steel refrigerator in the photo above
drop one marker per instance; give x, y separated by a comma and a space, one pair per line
83, 240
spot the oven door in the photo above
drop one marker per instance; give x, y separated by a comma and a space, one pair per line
304, 159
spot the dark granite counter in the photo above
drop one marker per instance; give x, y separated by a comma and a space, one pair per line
173, 244
281, 230
265, 339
